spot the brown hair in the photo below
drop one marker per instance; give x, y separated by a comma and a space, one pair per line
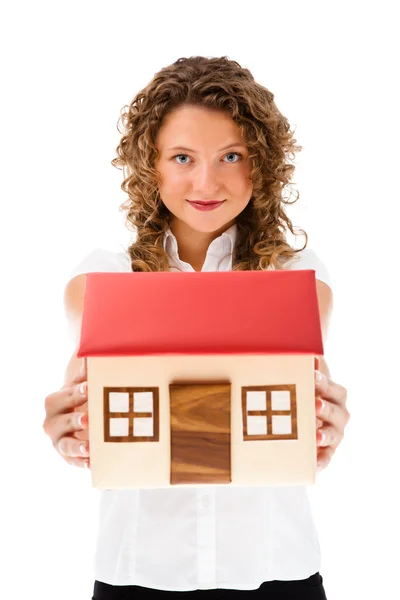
218, 84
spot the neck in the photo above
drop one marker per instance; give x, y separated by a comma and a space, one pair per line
192, 244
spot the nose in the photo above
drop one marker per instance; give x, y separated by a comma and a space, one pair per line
205, 181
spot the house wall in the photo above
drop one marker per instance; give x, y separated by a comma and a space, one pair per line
258, 462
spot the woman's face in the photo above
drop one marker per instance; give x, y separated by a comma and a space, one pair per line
195, 163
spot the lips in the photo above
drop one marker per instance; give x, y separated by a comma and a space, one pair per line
206, 201
205, 205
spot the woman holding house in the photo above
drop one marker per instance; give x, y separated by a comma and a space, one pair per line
205, 153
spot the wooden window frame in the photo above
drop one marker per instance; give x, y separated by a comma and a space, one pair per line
269, 413
131, 415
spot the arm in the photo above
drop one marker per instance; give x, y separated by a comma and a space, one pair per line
73, 305
66, 418
331, 397
325, 305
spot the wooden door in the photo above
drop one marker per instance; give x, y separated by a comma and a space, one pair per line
200, 432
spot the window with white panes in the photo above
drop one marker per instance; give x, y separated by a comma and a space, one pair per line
269, 412
131, 414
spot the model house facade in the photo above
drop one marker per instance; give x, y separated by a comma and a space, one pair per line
201, 378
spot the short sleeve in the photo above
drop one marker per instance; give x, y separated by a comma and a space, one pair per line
308, 259
102, 261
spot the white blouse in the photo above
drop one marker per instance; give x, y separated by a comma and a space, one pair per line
207, 536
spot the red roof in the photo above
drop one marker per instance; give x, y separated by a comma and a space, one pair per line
230, 312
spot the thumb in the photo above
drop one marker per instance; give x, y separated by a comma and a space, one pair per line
83, 369
81, 374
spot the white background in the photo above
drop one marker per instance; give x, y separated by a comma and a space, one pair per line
67, 70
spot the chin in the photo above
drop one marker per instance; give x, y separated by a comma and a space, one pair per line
210, 227
204, 222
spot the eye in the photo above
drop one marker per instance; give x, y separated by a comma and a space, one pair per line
237, 154
230, 154
178, 155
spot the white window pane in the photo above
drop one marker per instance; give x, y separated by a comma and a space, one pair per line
143, 426
119, 427
281, 424
119, 401
256, 400
256, 425
280, 400
143, 402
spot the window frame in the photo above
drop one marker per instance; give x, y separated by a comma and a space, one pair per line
131, 415
269, 413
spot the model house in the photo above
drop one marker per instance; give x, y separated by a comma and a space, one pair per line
201, 377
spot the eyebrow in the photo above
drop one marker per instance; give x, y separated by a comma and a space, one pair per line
220, 150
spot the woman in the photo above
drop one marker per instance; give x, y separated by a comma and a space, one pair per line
206, 157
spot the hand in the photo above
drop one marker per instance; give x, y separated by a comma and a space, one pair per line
66, 426
332, 417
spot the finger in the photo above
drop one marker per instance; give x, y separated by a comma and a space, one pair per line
324, 457
70, 447
81, 375
326, 411
83, 463
318, 423
328, 436
328, 389
66, 399
67, 424
337, 416
82, 435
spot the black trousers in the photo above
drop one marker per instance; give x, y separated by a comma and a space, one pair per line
302, 589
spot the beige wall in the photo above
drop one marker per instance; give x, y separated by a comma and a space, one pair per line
118, 465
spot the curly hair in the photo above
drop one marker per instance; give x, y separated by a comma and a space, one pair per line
217, 84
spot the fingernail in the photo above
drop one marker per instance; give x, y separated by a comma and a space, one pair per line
82, 420
83, 449
83, 388
86, 463
318, 376
322, 404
